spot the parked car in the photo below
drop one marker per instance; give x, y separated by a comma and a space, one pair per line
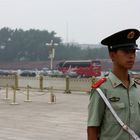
71, 74
52, 73
5, 72
28, 73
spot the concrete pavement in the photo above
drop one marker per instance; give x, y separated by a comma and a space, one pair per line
40, 120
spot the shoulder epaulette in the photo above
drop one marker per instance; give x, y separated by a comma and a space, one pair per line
98, 83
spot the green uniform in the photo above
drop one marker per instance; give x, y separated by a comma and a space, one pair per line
126, 103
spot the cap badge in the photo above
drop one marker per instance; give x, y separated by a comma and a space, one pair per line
131, 35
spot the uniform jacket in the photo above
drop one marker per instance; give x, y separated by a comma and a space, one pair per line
126, 103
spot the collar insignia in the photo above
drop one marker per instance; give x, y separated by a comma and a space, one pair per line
137, 81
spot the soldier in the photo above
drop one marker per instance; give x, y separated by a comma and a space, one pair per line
121, 90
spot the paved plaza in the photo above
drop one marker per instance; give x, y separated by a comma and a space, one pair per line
41, 120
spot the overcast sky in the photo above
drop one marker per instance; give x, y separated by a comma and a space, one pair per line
83, 21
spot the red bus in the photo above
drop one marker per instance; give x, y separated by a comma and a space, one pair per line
84, 68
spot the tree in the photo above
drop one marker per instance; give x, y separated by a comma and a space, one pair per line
30, 45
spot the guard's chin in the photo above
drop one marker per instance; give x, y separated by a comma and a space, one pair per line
129, 67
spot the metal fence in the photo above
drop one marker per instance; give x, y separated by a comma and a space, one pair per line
65, 84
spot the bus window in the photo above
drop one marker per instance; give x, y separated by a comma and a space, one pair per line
96, 63
87, 68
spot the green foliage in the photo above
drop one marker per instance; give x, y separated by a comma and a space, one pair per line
30, 45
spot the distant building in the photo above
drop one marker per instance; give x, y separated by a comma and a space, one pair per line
84, 45
90, 46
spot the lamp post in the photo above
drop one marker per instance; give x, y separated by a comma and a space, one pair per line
51, 52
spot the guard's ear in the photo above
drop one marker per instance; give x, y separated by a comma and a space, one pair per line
112, 55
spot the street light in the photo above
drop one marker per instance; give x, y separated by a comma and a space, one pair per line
51, 52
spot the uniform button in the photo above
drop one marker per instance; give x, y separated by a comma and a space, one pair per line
131, 103
115, 84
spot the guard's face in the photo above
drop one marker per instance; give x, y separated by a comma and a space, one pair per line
123, 58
